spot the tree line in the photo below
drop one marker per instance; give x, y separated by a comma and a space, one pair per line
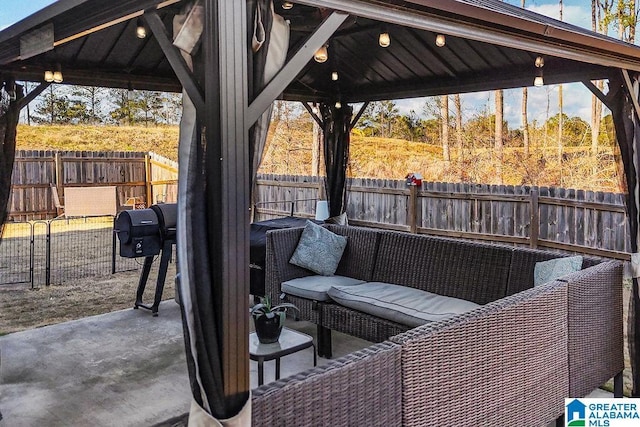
439, 124
491, 130
95, 105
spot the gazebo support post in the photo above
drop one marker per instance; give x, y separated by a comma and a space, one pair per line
227, 191
622, 100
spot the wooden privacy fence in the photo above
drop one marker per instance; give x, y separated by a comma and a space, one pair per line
139, 178
572, 220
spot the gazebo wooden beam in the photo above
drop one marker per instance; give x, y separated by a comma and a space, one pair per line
176, 60
314, 116
596, 91
632, 91
291, 69
359, 114
33, 94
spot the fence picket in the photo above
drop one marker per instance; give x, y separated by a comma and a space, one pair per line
566, 218
34, 171
502, 213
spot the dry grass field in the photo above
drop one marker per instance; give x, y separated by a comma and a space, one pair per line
26, 308
159, 139
289, 151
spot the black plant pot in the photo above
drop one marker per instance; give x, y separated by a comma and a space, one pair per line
268, 330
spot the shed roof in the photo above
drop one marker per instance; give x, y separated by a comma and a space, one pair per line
489, 45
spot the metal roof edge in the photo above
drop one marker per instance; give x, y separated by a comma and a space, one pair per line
38, 18
536, 39
548, 27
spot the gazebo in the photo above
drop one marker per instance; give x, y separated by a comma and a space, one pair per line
232, 59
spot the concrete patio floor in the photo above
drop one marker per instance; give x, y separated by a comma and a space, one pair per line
124, 368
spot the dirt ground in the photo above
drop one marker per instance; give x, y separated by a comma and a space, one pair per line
24, 308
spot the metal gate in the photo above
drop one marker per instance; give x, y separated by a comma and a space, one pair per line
16, 263
60, 250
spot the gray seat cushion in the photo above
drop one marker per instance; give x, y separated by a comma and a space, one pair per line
316, 287
401, 304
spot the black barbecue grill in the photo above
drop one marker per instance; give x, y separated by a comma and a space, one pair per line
167, 214
147, 233
139, 233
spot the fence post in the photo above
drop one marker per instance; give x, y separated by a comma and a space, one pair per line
412, 209
535, 219
147, 180
32, 254
59, 178
58, 165
113, 248
47, 280
321, 192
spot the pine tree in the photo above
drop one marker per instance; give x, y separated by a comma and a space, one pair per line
91, 97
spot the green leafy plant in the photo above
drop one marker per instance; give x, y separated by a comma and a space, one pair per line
264, 308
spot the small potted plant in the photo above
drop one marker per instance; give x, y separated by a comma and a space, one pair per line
269, 319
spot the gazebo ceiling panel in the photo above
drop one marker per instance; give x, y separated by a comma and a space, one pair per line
96, 44
91, 49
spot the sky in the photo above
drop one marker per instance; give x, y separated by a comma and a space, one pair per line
577, 99
12, 11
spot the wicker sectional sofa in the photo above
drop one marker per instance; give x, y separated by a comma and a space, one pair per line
520, 352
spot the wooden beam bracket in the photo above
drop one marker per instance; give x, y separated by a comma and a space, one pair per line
633, 92
313, 114
33, 94
179, 65
291, 69
358, 115
596, 91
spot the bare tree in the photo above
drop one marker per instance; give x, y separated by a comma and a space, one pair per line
458, 106
316, 148
525, 119
560, 105
546, 119
633, 21
596, 105
499, 119
620, 18
444, 115
627, 16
